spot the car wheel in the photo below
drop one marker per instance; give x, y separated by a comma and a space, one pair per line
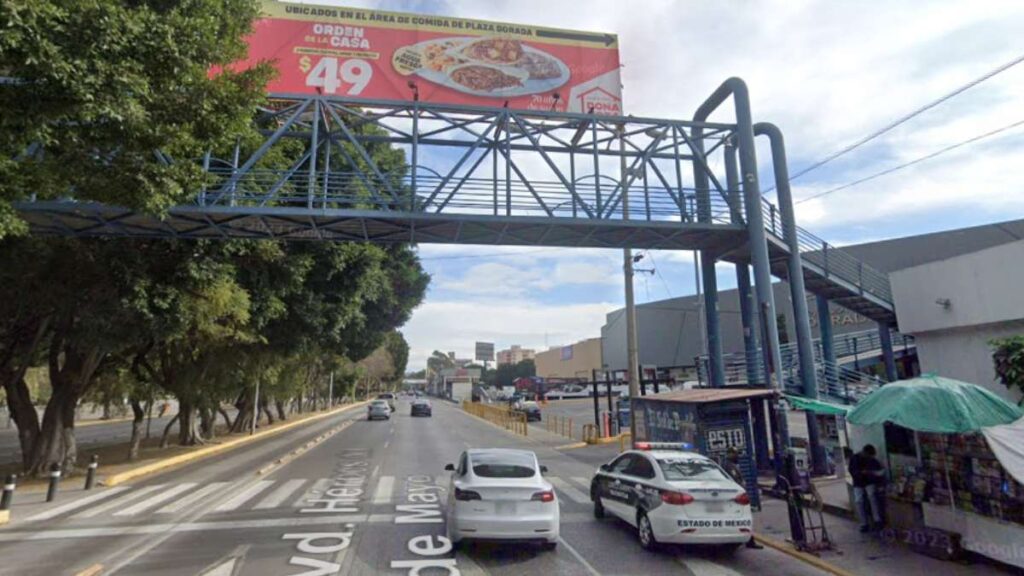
598, 506
645, 533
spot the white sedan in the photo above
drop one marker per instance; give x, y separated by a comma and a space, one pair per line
673, 497
499, 494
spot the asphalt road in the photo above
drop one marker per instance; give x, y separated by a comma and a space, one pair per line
220, 517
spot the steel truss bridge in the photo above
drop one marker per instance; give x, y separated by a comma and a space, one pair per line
478, 175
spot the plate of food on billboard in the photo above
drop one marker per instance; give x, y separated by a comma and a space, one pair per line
488, 67
377, 55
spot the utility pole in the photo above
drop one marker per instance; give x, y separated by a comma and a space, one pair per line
627, 266
330, 391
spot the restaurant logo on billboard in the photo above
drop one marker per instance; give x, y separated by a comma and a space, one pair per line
374, 54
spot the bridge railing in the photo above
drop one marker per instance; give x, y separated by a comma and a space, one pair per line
833, 261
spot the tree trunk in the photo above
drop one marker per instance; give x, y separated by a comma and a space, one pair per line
68, 436
280, 410
227, 419
49, 446
149, 416
188, 427
23, 412
207, 423
165, 439
138, 417
266, 410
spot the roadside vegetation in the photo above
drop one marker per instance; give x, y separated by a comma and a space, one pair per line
113, 103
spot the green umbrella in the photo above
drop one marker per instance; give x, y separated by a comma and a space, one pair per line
934, 404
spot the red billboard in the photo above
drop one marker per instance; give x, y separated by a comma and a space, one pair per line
371, 54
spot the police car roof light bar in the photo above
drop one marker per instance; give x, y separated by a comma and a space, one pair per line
683, 446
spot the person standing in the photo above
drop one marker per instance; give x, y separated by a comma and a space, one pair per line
868, 477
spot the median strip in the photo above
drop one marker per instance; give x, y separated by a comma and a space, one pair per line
206, 452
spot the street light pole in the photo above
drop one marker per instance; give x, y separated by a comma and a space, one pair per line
627, 267
330, 391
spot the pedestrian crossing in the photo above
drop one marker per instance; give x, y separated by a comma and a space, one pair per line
164, 499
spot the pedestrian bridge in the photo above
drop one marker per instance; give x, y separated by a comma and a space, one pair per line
480, 176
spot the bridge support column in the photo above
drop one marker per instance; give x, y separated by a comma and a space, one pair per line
748, 318
716, 363
828, 345
798, 295
888, 356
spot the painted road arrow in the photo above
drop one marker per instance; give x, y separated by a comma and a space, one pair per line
606, 39
231, 565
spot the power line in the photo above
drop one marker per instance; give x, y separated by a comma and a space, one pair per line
905, 118
912, 162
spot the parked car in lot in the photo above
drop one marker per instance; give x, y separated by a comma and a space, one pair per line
378, 409
672, 496
421, 407
389, 398
568, 391
530, 408
500, 494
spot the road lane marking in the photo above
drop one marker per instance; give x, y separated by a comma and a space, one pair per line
275, 498
192, 498
386, 444
375, 470
702, 567
569, 490
316, 489
94, 570
579, 557
154, 500
117, 503
385, 486
243, 496
77, 504
581, 481
77, 533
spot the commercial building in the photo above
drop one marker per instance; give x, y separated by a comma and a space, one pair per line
955, 307
575, 361
514, 355
670, 332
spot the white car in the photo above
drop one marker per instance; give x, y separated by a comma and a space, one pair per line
378, 409
672, 496
568, 391
500, 494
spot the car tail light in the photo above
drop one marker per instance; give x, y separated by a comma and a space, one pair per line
545, 496
676, 498
466, 495
642, 445
742, 499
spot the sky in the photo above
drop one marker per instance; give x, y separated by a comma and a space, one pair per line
826, 72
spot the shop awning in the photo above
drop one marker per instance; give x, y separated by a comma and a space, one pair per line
816, 406
934, 404
1007, 443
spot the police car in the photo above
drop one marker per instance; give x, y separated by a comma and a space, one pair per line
672, 496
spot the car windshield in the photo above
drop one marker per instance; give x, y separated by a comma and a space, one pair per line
504, 465
379, 403
690, 469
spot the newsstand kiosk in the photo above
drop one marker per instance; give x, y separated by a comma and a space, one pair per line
712, 420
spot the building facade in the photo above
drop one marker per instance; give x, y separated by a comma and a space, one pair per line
514, 355
955, 307
670, 332
575, 361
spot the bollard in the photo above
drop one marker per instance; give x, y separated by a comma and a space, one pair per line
51, 491
90, 476
8, 493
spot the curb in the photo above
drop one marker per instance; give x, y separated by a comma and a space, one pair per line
606, 440
572, 446
163, 465
802, 556
502, 428
5, 517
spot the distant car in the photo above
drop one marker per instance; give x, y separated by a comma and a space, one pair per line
500, 494
420, 407
568, 391
531, 409
389, 398
378, 409
672, 496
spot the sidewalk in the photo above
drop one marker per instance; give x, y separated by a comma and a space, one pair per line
859, 553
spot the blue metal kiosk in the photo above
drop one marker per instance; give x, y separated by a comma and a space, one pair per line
713, 420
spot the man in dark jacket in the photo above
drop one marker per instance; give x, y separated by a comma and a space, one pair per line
868, 480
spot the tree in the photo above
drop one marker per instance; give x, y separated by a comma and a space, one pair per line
102, 85
398, 349
439, 361
1008, 356
508, 373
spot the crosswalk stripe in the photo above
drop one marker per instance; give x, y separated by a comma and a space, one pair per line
384, 488
155, 500
119, 502
582, 481
243, 496
569, 490
702, 567
192, 498
315, 491
53, 513
274, 499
